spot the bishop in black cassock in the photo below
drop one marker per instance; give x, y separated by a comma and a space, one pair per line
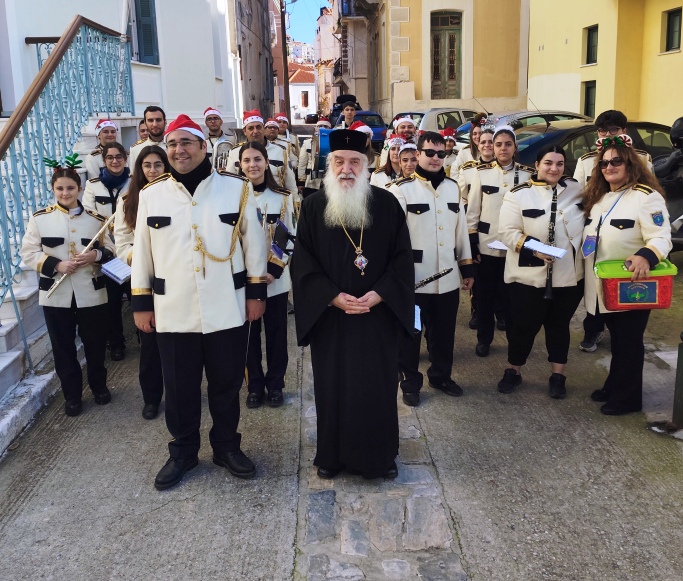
354, 356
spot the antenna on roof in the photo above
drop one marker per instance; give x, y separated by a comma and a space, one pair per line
484, 108
547, 123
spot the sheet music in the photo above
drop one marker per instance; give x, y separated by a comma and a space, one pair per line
117, 270
418, 320
537, 246
497, 245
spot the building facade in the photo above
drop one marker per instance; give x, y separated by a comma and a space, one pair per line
303, 92
592, 56
325, 54
419, 54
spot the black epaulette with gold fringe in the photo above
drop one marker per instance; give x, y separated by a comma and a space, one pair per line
100, 217
161, 178
230, 174
47, 210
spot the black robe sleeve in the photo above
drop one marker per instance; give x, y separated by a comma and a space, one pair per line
397, 285
312, 288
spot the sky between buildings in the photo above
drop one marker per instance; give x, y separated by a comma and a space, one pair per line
303, 16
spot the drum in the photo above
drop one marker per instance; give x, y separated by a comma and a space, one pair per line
323, 149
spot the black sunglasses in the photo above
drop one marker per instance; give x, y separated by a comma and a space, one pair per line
615, 162
432, 152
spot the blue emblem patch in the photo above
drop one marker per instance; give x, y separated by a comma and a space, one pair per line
658, 218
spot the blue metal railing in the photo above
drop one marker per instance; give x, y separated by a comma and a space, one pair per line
91, 76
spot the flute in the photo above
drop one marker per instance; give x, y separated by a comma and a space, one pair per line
88, 248
548, 295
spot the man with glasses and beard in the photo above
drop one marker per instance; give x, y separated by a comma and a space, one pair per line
438, 234
155, 120
352, 275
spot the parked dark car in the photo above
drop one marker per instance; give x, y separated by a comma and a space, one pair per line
578, 138
311, 118
375, 122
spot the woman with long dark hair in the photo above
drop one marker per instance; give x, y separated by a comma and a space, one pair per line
53, 245
626, 219
275, 212
391, 170
150, 164
471, 150
542, 291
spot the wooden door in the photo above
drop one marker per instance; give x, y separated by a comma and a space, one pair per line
445, 55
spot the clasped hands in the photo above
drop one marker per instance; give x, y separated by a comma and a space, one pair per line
78, 261
356, 306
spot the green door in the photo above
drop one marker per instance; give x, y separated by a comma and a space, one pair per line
445, 55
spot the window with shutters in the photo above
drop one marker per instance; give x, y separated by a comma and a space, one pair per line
145, 45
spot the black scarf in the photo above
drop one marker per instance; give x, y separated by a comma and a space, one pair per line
193, 178
261, 187
435, 177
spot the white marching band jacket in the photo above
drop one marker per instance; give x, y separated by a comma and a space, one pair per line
525, 214
124, 235
198, 258
490, 183
306, 166
52, 235
94, 163
278, 158
637, 224
465, 177
448, 162
138, 146
271, 206
586, 164
464, 155
97, 199
291, 141
380, 179
438, 231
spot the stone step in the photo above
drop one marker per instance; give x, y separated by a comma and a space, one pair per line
14, 363
11, 370
28, 278
26, 298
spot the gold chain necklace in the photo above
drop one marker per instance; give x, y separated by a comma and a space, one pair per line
361, 262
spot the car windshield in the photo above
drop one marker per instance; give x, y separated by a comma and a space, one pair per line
528, 138
371, 120
448, 119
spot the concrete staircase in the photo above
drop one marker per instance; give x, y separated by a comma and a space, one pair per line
13, 361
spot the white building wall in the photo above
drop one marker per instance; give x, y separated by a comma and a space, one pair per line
298, 111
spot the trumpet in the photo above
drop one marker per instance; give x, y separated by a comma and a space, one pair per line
88, 248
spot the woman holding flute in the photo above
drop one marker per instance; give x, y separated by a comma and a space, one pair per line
543, 291
57, 244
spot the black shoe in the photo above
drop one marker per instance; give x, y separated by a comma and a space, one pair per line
501, 324
118, 353
473, 321
411, 398
236, 462
392, 472
102, 397
556, 387
449, 387
327, 473
482, 350
619, 409
73, 407
275, 398
173, 472
290, 308
150, 411
254, 400
600, 395
590, 342
511, 379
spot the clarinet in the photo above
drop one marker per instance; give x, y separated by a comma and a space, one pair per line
551, 242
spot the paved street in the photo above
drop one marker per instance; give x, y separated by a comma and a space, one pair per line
490, 487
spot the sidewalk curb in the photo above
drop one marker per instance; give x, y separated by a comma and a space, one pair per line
20, 406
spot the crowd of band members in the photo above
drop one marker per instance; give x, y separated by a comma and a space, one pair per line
485, 196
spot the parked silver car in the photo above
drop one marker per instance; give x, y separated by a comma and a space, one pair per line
438, 118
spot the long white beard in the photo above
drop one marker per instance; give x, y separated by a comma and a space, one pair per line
348, 206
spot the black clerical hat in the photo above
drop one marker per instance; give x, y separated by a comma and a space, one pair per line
349, 140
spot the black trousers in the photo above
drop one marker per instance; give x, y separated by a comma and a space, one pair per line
150, 374
624, 383
529, 311
593, 324
438, 314
92, 329
183, 358
275, 323
115, 293
492, 296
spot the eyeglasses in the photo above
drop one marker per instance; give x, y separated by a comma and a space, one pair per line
432, 152
156, 165
614, 162
184, 143
114, 158
614, 130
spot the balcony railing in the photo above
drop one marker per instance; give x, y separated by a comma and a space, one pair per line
83, 73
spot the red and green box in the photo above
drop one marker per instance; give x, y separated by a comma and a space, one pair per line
620, 293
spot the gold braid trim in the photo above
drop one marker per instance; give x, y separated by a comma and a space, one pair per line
236, 234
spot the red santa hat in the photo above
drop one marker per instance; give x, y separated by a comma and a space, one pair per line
102, 123
360, 126
448, 133
211, 111
253, 116
271, 123
323, 122
282, 117
184, 123
404, 120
